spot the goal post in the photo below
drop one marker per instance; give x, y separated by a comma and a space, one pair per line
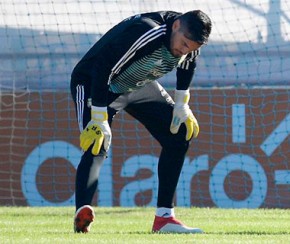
240, 95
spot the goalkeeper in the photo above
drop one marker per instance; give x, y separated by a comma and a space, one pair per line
120, 72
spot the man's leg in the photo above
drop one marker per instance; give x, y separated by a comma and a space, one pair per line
86, 185
89, 167
153, 107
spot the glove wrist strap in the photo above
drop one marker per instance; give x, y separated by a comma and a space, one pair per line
99, 113
181, 97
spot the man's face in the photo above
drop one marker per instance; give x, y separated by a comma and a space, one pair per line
179, 44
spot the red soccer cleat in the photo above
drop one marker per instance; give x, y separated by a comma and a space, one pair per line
83, 218
172, 225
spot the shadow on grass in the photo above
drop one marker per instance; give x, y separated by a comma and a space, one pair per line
247, 233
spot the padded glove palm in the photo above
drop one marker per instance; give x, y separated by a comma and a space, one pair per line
97, 131
183, 114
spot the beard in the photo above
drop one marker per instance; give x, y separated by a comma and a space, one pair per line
176, 53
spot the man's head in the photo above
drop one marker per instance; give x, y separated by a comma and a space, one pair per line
189, 32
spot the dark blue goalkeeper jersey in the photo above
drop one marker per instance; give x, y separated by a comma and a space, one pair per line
131, 54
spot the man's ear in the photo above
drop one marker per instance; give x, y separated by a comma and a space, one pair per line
176, 25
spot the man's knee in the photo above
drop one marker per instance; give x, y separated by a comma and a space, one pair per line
176, 143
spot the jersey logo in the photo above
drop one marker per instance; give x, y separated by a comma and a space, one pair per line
158, 62
143, 83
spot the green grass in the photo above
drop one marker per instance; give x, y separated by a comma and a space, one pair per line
133, 225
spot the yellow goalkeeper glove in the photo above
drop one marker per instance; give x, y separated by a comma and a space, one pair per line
183, 114
97, 131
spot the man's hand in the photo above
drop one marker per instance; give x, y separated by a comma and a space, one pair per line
183, 114
97, 131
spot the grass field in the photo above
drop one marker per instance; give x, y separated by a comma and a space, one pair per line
133, 225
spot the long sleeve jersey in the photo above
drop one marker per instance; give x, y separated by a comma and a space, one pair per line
134, 52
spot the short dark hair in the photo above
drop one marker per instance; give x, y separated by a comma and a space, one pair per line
198, 26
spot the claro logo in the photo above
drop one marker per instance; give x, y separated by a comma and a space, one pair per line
218, 173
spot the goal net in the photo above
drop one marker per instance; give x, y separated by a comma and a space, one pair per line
240, 96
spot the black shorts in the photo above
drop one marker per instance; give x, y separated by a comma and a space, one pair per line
151, 105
